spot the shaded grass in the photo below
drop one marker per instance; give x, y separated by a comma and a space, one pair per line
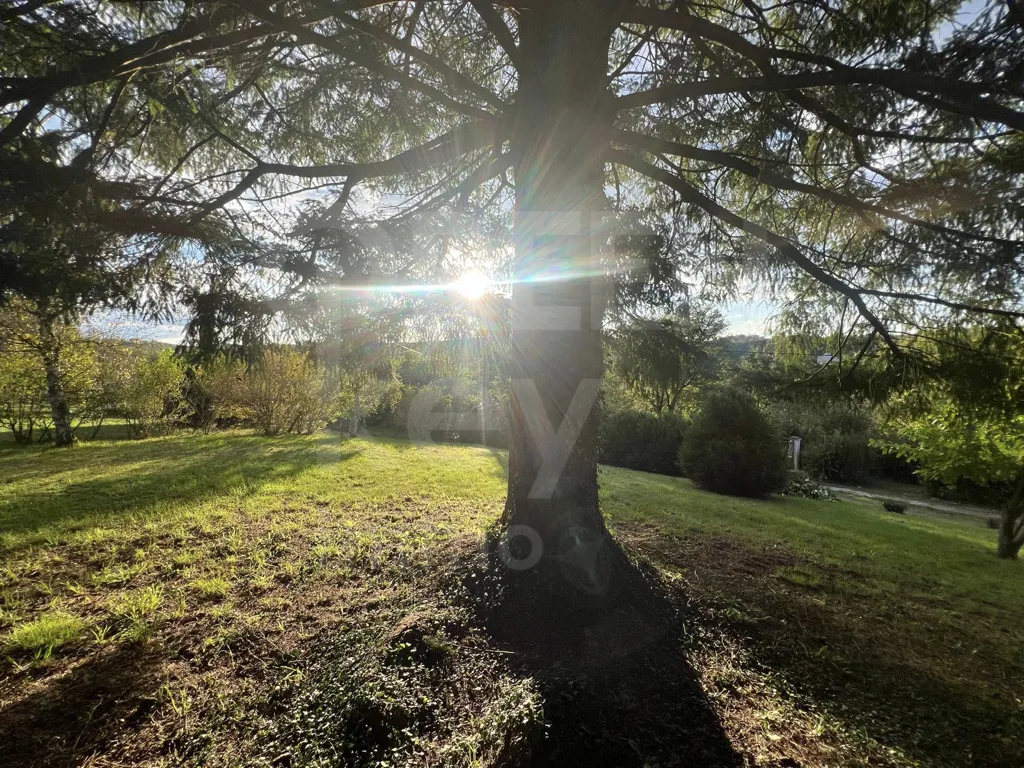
209, 571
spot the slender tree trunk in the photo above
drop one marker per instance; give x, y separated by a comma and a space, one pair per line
485, 394
1009, 545
1011, 522
63, 435
353, 422
552, 521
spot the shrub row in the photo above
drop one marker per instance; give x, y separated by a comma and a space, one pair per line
643, 441
730, 447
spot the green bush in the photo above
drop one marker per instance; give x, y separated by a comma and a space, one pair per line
733, 448
150, 394
644, 441
286, 392
836, 438
832, 455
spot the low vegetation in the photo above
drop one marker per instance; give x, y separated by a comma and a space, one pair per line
231, 599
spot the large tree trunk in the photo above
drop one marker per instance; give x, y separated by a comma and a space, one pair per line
63, 434
552, 522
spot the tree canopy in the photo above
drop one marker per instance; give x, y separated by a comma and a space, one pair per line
869, 153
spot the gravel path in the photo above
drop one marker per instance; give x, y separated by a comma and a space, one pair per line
947, 507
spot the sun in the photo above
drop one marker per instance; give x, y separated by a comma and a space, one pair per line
472, 285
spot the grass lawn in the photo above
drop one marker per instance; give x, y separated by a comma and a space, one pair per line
237, 600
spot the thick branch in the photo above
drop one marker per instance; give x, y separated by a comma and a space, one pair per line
781, 83
499, 29
693, 196
154, 49
962, 97
462, 140
21, 121
778, 181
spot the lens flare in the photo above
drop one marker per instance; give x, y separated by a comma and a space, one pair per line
472, 285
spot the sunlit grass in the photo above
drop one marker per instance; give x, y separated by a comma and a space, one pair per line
201, 543
51, 630
958, 556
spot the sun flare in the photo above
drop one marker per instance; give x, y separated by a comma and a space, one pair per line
472, 285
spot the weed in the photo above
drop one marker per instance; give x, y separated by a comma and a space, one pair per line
43, 634
799, 576
211, 588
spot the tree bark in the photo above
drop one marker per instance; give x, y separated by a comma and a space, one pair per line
353, 422
60, 413
552, 523
1011, 536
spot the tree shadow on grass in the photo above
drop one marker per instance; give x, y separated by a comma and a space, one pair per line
879, 666
90, 709
82, 487
617, 688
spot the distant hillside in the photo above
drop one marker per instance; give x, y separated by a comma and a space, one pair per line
737, 348
147, 345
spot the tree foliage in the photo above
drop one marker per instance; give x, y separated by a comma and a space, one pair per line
868, 154
664, 360
954, 432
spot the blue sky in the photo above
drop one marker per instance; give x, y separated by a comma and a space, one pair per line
744, 317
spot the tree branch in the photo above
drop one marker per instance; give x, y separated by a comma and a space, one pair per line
455, 143
962, 97
132, 56
21, 121
499, 29
780, 83
453, 75
778, 181
300, 31
693, 196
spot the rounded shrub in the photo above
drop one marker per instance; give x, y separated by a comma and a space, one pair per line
733, 448
644, 441
833, 455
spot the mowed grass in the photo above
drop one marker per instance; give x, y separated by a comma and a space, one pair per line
161, 600
898, 552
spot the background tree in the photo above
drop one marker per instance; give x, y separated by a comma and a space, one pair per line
865, 153
951, 444
48, 363
23, 405
971, 425
151, 393
663, 360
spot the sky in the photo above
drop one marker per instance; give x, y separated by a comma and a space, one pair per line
743, 318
